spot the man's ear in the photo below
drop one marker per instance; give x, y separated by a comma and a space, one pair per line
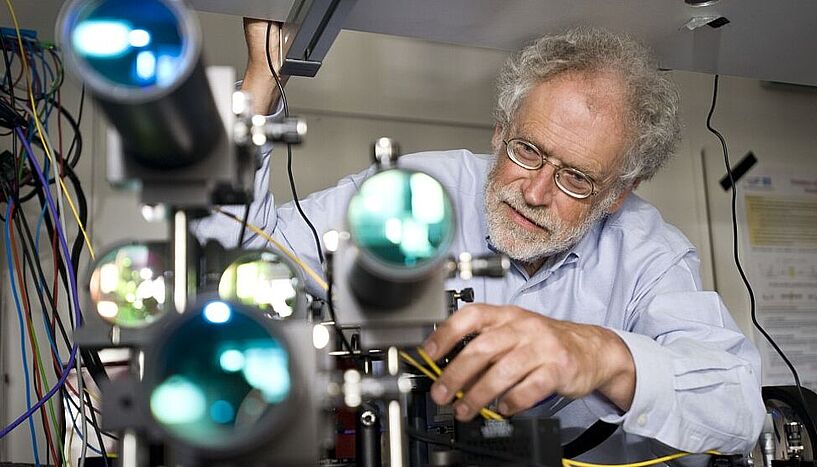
496, 139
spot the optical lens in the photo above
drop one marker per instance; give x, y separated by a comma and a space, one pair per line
218, 378
403, 218
135, 44
128, 285
264, 280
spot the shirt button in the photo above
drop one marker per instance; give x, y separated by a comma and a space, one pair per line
642, 420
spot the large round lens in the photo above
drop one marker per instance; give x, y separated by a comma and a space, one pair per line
401, 217
264, 280
218, 375
128, 285
135, 44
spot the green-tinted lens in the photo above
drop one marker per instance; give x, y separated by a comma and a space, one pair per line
128, 286
403, 218
263, 280
135, 44
220, 374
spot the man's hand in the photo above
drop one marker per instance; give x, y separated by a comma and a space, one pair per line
524, 357
258, 79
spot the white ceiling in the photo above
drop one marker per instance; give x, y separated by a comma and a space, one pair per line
774, 40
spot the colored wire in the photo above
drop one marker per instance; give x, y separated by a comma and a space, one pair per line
490, 413
75, 429
40, 130
24, 354
39, 368
72, 282
64, 189
486, 413
659, 460
60, 231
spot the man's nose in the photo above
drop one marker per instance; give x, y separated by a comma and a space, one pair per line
539, 188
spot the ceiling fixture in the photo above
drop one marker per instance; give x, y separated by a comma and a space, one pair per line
701, 3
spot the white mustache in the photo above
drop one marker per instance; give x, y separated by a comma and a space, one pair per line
539, 216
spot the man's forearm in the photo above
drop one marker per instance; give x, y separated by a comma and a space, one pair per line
261, 86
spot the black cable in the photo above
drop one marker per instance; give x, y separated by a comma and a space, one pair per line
27, 309
289, 151
62, 273
295, 197
95, 424
735, 252
77, 133
25, 230
72, 155
478, 451
7, 61
244, 222
82, 202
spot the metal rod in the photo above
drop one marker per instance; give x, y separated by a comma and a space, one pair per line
130, 449
397, 450
180, 261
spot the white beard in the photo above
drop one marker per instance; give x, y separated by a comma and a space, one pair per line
522, 244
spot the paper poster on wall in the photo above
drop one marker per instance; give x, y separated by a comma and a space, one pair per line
780, 239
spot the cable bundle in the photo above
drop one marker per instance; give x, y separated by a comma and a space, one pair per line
37, 179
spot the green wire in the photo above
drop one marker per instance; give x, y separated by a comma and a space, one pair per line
36, 346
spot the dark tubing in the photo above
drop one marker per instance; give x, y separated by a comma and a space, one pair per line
174, 131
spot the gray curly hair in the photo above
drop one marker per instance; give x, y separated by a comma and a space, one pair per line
653, 115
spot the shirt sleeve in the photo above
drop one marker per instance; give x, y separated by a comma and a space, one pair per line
697, 376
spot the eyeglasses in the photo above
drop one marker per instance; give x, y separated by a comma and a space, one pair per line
572, 182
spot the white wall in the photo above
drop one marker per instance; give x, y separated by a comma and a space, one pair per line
434, 96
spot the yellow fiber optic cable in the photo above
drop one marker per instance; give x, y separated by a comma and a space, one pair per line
660, 460
493, 415
311, 272
488, 414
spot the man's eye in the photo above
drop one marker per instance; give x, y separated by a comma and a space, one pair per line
575, 179
527, 151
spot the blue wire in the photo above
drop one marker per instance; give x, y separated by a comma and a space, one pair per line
74, 422
22, 334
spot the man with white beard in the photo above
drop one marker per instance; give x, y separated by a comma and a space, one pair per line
603, 315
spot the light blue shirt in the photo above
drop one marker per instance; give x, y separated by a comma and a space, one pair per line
697, 375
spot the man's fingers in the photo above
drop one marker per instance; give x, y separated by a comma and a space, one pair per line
470, 319
499, 378
536, 386
487, 348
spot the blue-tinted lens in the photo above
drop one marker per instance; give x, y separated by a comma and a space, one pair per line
218, 377
136, 44
404, 218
